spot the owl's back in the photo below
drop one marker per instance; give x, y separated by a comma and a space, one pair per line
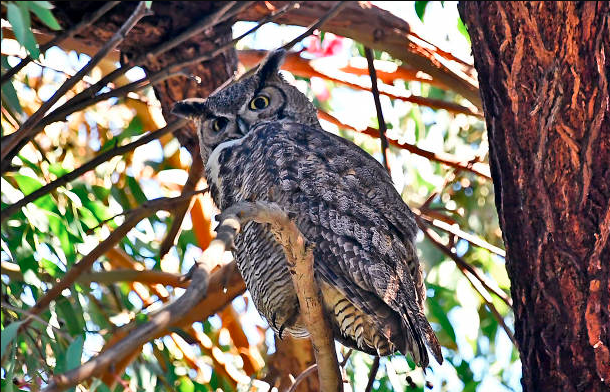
343, 201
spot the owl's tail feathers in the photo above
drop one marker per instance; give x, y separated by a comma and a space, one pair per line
418, 331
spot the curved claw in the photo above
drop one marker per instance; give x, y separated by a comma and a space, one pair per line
281, 331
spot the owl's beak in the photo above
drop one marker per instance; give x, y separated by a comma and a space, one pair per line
243, 126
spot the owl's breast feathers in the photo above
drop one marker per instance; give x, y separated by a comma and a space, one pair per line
344, 202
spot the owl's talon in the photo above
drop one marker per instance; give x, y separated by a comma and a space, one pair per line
281, 331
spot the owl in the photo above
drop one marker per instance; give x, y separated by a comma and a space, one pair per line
260, 139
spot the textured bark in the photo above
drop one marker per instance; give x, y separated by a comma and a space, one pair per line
543, 72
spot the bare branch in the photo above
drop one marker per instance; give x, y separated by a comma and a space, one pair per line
382, 126
304, 374
87, 20
25, 131
8, 211
478, 168
317, 24
191, 183
476, 280
372, 374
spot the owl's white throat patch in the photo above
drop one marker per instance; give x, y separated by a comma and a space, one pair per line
212, 166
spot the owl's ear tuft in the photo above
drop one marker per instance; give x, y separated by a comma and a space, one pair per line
270, 66
191, 108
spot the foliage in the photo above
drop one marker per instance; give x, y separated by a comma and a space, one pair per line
43, 240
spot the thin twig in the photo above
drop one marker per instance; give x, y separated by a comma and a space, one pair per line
92, 164
304, 374
372, 374
317, 24
87, 20
473, 277
464, 266
195, 174
25, 131
382, 126
446, 159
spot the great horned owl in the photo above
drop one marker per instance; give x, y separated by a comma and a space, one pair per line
262, 140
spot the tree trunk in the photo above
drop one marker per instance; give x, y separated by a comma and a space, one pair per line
543, 73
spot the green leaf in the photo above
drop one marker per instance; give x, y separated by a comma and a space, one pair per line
74, 353
44, 14
51, 268
136, 191
8, 387
441, 315
9, 95
19, 17
7, 335
463, 29
420, 9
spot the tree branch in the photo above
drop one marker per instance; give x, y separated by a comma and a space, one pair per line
470, 273
25, 131
372, 374
195, 174
299, 257
478, 168
8, 211
382, 126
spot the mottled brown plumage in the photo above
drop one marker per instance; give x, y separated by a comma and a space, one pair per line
261, 140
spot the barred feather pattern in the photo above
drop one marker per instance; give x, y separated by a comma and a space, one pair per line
344, 202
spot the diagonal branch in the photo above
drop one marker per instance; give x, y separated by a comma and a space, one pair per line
25, 131
117, 235
194, 175
478, 168
478, 282
92, 164
382, 126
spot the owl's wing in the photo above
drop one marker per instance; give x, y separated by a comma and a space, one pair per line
344, 201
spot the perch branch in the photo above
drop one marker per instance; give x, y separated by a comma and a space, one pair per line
25, 131
299, 257
92, 164
382, 127
88, 20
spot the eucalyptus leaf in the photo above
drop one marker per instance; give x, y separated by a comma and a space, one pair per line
8, 334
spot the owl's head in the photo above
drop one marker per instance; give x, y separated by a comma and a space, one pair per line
231, 112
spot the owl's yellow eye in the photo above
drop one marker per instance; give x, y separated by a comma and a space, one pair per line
259, 102
219, 124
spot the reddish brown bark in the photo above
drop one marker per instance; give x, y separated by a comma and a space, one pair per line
543, 71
